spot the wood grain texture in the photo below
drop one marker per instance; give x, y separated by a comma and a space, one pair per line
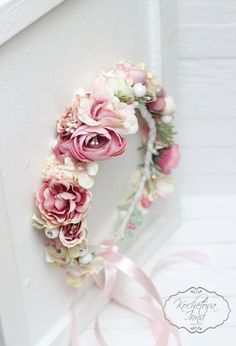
208, 160
211, 12
207, 89
203, 184
207, 41
207, 132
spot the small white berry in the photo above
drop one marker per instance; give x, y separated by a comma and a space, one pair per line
166, 119
72, 131
86, 259
139, 89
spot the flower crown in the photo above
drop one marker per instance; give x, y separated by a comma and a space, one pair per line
92, 129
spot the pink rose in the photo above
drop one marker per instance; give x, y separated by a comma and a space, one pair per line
168, 159
96, 143
132, 72
72, 234
61, 202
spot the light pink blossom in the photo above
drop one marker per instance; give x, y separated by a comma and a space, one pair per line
108, 112
134, 73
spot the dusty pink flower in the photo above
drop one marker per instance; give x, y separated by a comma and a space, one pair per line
61, 149
96, 143
168, 159
61, 202
157, 106
162, 105
73, 234
133, 72
107, 112
145, 202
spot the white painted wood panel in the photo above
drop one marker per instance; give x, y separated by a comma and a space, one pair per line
209, 207
15, 15
205, 131
207, 88
211, 12
203, 184
207, 41
208, 160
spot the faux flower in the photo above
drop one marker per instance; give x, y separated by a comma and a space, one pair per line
163, 105
73, 234
56, 255
107, 112
69, 121
62, 149
168, 159
134, 73
109, 84
96, 143
61, 203
80, 173
145, 202
75, 278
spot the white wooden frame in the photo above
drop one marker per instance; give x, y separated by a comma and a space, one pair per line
15, 15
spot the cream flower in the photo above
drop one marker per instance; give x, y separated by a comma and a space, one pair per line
80, 173
110, 112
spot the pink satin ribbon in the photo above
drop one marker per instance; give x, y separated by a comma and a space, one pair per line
150, 306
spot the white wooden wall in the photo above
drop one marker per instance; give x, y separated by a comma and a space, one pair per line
207, 90
40, 69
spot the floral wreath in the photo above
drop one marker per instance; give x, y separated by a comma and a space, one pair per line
92, 129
